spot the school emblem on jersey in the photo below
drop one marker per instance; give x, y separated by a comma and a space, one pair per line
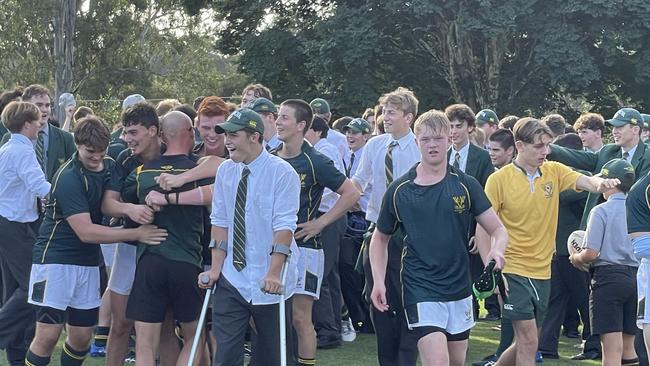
459, 203
167, 167
548, 189
302, 179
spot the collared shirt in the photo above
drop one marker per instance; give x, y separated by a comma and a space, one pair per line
339, 140
273, 143
22, 180
372, 169
363, 201
463, 152
326, 148
630, 153
272, 202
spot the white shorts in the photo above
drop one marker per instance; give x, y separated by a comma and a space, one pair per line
311, 265
452, 316
60, 286
108, 252
123, 270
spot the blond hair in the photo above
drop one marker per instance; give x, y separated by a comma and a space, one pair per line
16, 114
433, 120
527, 129
402, 99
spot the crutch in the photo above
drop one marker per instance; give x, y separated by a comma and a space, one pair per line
283, 317
199, 327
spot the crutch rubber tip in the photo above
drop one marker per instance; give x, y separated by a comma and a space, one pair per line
205, 279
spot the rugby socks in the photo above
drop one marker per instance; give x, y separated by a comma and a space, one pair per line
306, 361
71, 357
101, 336
630, 362
32, 359
507, 335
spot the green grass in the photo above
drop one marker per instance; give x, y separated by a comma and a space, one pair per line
363, 350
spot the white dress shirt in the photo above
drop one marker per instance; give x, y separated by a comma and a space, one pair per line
630, 153
22, 180
329, 198
272, 202
273, 142
363, 200
463, 152
339, 140
372, 169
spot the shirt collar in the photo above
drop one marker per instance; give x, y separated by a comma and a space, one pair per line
258, 162
538, 172
46, 129
320, 143
631, 151
358, 152
18, 137
463, 150
404, 141
618, 196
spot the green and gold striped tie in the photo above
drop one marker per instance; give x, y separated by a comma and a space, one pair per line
388, 161
239, 233
40, 149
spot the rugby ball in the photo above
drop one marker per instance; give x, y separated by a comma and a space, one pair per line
575, 244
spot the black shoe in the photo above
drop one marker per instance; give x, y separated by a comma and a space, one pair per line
488, 360
549, 355
329, 343
492, 317
589, 355
572, 334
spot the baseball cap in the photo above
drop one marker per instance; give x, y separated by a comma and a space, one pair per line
262, 104
67, 99
357, 125
618, 169
487, 116
131, 100
646, 121
626, 115
240, 119
320, 106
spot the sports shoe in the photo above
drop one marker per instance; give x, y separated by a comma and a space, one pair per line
130, 357
538, 357
348, 334
486, 361
97, 351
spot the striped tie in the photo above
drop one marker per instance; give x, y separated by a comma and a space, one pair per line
40, 149
457, 161
348, 169
388, 161
239, 234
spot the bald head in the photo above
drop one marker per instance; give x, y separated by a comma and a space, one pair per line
176, 130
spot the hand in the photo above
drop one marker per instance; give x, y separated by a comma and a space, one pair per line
355, 208
471, 246
169, 181
151, 234
378, 297
271, 284
141, 214
576, 261
309, 229
212, 276
155, 198
69, 110
606, 184
498, 257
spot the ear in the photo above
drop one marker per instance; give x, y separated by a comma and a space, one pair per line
153, 130
510, 150
470, 129
409, 116
519, 145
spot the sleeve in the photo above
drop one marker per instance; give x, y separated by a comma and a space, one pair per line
486, 170
130, 188
327, 174
493, 192
32, 175
69, 146
637, 206
218, 215
286, 201
388, 220
70, 195
363, 174
595, 232
118, 175
479, 201
578, 159
567, 177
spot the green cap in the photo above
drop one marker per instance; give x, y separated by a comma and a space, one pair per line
625, 116
646, 121
357, 125
240, 119
619, 169
320, 106
487, 116
261, 105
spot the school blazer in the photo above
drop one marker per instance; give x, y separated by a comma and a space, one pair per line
59, 149
593, 162
479, 165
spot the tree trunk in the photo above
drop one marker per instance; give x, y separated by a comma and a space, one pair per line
64, 30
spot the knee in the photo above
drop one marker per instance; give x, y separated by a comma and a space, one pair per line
43, 344
302, 322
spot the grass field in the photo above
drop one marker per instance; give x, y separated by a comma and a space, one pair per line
363, 351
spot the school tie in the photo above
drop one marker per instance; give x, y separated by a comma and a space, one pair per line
348, 169
388, 161
626, 155
457, 160
239, 233
40, 149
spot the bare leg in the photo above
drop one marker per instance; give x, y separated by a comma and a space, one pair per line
146, 348
302, 322
612, 344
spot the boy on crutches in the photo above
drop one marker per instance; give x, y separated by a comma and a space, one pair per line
254, 213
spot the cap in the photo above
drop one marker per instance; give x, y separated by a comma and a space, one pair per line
240, 119
625, 116
357, 125
619, 169
262, 104
320, 106
487, 116
131, 100
67, 99
646, 121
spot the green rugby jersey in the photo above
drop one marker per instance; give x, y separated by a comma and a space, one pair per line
316, 172
75, 190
